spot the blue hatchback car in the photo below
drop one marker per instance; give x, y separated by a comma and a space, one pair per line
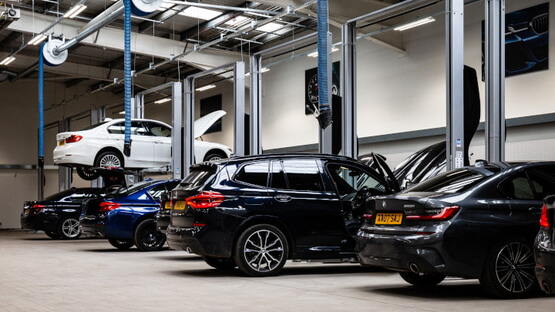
126, 217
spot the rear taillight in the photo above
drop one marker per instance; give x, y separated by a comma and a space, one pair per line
37, 208
544, 219
108, 206
205, 200
367, 216
73, 138
445, 213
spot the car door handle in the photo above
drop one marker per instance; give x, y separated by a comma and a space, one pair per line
282, 198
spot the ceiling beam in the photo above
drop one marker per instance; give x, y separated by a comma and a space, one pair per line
162, 17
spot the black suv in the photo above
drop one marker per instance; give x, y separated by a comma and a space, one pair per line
256, 212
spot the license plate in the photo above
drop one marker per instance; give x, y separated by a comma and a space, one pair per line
389, 218
167, 205
180, 205
25, 212
61, 142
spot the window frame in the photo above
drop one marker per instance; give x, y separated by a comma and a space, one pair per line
318, 163
361, 168
271, 176
510, 177
234, 178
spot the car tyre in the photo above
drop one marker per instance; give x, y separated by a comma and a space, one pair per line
86, 173
69, 228
261, 250
52, 235
221, 264
215, 156
509, 271
422, 280
121, 244
147, 236
108, 159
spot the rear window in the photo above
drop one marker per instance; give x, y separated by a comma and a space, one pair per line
134, 188
198, 177
450, 182
59, 196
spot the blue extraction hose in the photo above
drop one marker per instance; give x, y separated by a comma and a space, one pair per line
324, 106
127, 75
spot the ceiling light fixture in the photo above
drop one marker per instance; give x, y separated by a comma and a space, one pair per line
75, 10
162, 101
200, 13
416, 23
270, 27
315, 53
207, 87
7, 60
264, 70
37, 39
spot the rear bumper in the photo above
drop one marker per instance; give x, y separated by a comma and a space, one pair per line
200, 241
162, 221
545, 270
78, 153
92, 225
402, 253
39, 222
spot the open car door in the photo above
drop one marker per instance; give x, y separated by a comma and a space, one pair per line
378, 164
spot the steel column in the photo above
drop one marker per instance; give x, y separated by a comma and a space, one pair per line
349, 142
64, 173
256, 105
98, 115
495, 79
455, 83
188, 125
177, 131
239, 107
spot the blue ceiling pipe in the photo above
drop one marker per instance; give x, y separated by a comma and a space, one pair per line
324, 105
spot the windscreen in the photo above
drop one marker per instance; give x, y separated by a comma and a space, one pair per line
451, 182
197, 177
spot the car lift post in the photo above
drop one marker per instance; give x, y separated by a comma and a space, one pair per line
495, 79
454, 24
138, 111
256, 87
97, 115
64, 173
349, 140
187, 123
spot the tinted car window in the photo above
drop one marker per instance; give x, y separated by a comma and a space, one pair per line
72, 195
349, 180
137, 128
198, 177
518, 187
254, 173
543, 180
303, 174
156, 129
79, 196
278, 175
450, 182
157, 191
134, 188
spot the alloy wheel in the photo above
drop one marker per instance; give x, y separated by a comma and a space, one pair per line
151, 238
109, 161
263, 251
514, 268
71, 228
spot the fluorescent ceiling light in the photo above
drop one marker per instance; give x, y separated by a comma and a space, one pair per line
264, 70
162, 101
315, 53
237, 20
417, 23
75, 10
37, 39
207, 87
270, 27
200, 13
7, 60
122, 113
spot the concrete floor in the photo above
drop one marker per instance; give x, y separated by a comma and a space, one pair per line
40, 274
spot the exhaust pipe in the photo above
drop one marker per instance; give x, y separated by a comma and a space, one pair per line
414, 268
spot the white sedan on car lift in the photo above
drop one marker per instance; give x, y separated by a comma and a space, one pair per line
101, 145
